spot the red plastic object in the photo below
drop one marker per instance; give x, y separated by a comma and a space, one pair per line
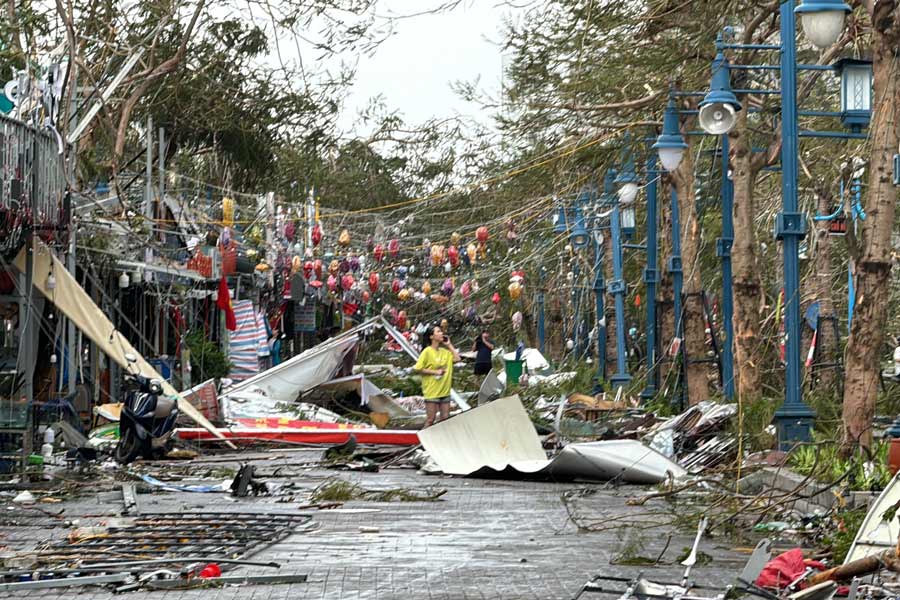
210, 571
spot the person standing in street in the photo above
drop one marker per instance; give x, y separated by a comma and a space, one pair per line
435, 364
482, 348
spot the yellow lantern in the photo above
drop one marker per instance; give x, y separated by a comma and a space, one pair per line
437, 255
515, 290
344, 238
426, 288
472, 253
403, 295
227, 212
454, 239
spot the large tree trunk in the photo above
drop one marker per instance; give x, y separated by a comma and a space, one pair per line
862, 357
696, 369
747, 284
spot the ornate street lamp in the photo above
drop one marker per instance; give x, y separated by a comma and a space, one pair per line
670, 144
718, 108
822, 20
856, 92
579, 236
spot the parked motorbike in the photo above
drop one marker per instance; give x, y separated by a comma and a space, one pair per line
147, 420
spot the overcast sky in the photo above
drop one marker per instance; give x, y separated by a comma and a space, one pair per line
414, 68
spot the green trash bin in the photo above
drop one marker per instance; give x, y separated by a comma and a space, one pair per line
513, 370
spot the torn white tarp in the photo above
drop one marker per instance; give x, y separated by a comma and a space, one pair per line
498, 439
533, 358
270, 393
369, 394
881, 527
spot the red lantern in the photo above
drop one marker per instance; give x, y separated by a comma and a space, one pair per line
481, 234
395, 286
401, 319
316, 234
379, 252
317, 267
373, 282
453, 256
394, 248
347, 282
307, 268
496, 298
365, 296
331, 283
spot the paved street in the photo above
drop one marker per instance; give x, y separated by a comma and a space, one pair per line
483, 539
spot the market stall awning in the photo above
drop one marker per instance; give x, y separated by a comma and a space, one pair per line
71, 299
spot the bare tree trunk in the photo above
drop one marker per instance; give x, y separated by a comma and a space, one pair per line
862, 358
697, 371
747, 283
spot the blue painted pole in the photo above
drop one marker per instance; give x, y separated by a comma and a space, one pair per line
676, 270
855, 191
599, 289
540, 302
617, 288
723, 250
794, 419
651, 278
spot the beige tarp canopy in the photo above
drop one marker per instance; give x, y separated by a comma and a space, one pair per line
76, 304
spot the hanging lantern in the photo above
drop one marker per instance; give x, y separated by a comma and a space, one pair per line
307, 268
344, 238
366, 297
517, 321
637, 300
289, 230
402, 273
453, 256
334, 267
426, 288
471, 252
316, 235
482, 234
331, 283
227, 212
454, 239
466, 289
511, 235
395, 286
378, 252
344, 266
440, 298
448, 287
354, 264
347, 282
496, 298
394, 247
296, 265
401, 319
317, 267
373, 281
515, 290
517, 276
437, 255
403, 294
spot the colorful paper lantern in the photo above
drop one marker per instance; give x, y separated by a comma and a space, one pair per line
344, 238
307, 268
403, 294
482, 234
317, 267
437, 255
453, 256
515, 290
465, 289
378, 253
344, 267
495, 298
395, 286
471, 252
448, 287
334, 267
426, 288
394, 247
402, 319
454, 239
347, 282
517, 320
355, 265
373, 282
316, 235
331, 283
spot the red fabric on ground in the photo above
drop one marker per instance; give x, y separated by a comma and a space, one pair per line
785, 568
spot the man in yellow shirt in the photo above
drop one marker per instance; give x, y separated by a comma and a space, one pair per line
435, 364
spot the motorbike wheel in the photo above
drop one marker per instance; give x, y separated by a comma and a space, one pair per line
128, 448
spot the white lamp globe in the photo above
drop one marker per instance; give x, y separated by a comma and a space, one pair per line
628, 192
670, 158
823, 28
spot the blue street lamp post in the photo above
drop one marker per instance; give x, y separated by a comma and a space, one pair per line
651, 278
822, 22
723, 250
617, 286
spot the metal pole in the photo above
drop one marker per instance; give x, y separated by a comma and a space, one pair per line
794, 419
599, 286
617, 289
541, 333
723, 250
675, 268
148, 189
651, 277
